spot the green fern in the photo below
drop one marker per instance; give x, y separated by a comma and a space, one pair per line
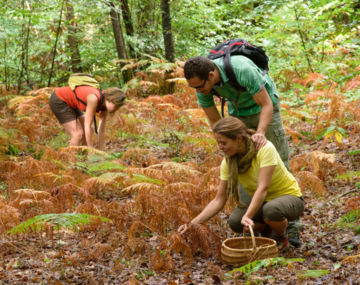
168, 66
258, 264
63, 220
351, 220
6, 98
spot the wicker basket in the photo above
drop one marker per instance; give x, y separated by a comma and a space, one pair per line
243, 250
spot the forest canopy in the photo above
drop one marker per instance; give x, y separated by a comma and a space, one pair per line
42, 42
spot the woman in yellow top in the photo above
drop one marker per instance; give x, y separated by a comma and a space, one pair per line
276, 196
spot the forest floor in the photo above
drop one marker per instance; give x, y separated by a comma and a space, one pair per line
110, 253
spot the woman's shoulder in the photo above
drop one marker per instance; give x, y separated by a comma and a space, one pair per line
267, 147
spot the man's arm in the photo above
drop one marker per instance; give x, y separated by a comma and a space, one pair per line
262, 98
212, 114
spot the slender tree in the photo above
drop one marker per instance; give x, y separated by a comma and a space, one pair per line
72, 39
118, 34
167, 33
56, 41
6, 79
129, 28
25, 50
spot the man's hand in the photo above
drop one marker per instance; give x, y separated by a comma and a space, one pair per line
259, 140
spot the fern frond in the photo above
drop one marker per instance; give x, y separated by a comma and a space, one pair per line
308, 181
85, 150
16, 101
64, 220
141, 186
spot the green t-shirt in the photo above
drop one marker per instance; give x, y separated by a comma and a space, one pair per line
282, 181
249, 75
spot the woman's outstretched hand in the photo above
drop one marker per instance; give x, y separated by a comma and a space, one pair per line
183, 228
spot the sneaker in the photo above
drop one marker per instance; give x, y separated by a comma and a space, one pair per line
294, 238
282, 242
293, 232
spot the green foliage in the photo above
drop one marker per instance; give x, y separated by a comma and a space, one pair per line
13, 150
97, 168
60, 140
354, 152
349, 176
299, 35
142, 178
3, 190
258, 264
351, 221
64, 220
313, 273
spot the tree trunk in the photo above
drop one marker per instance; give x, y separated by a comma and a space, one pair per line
56, 41
26, 46
6, 75
129, 28
72, 39
119, 37
166, 25
22, 54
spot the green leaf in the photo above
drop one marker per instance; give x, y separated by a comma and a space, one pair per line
314, 273
258, 264
64, 220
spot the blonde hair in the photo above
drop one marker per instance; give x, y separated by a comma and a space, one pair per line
114, 95
232, 128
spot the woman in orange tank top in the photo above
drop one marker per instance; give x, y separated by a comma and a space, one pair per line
68, 108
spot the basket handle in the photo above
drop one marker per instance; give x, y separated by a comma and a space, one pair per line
252, 236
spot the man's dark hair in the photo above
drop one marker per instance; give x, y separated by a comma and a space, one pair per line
198, 66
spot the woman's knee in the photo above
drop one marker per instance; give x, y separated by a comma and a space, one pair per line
284, 207
77, 136
234, 220
272, 213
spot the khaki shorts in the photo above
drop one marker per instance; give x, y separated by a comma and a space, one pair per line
288, 207
63, 112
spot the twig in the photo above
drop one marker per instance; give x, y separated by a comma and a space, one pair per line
343, 194
10, 243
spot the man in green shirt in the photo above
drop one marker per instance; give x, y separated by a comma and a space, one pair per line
257, 106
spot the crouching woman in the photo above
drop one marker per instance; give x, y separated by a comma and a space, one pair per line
276, 196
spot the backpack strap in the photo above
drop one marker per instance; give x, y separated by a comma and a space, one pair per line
229, 71
222, 100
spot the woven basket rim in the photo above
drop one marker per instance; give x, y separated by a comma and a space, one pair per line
272, 243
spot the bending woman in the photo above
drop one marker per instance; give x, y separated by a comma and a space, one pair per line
69, 111
276, 196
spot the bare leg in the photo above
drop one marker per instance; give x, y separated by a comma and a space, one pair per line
81, 121
76, 132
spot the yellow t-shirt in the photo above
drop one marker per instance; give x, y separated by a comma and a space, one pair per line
282, 181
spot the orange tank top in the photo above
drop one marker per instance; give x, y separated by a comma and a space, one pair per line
68, 96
